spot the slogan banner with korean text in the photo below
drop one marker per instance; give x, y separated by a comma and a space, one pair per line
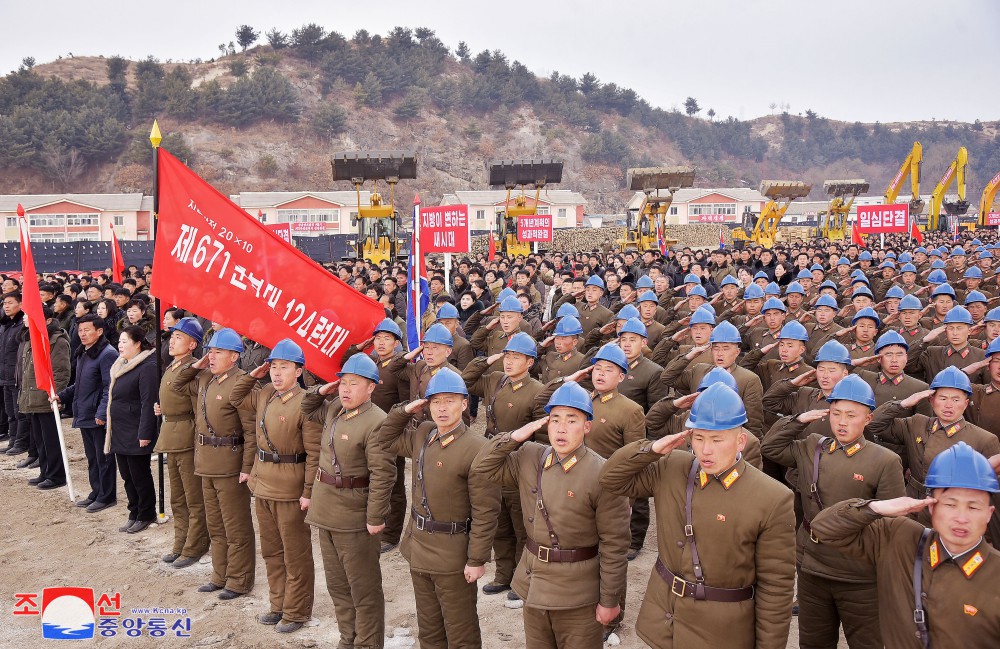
534, 228
444, 229
877, 219
215, 260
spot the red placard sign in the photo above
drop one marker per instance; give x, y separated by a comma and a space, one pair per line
993, 218
444, 229
283, 230
713, 218
875, 219
534, 228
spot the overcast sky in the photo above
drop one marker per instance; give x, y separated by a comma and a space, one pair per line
868, 60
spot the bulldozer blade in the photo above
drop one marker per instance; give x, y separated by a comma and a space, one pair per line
649, 179
784, 189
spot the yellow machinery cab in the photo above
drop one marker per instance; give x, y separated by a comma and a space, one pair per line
833, 222
762, 229
512, 174
643, 225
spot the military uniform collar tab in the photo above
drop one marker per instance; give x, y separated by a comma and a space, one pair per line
568, 462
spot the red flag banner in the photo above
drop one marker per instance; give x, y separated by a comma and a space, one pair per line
876, 219
31, 303
216, 260
856, 236
534, 228
117, 261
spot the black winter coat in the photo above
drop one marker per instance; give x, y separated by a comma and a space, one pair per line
10, 339
130, 406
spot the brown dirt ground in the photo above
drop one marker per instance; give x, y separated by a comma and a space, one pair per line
49, 543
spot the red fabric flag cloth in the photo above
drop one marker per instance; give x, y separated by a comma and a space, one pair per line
915, 232
31, 304
214, 259
493, 247
117, 260
856, 235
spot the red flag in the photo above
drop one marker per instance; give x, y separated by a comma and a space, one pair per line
31, 303
915, 232
856, 235
214, 259
493, 247
117, 261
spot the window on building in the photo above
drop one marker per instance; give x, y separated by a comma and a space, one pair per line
561, 213
88, 220
542, 209
11, 221
119, 220
331, 216
81, 236
697, 209
47, 220
49, 237
480, 215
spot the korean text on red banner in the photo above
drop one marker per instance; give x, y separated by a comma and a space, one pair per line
875, 219
534, 228
444, 229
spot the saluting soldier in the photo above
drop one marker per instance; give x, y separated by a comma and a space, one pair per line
573, 571
762, 330
461, 351
602, 335
642, 380
564, 358
218, 458
725, 534
834, 590
350, 498
177, 440
648, 308
593, 315
984, 409
791, 347
436, 348
492, 338
910, 310
691, 342
454, 516
956, 602
795, 395
930, 358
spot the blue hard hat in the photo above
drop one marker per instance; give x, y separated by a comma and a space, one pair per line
937, 264
975, 296
833, 352
828, 301
627, 312
905, 258
890, 338
869, 313
287, 350
994, 346
853, 388
828, 284
933, 252
817, 267
718, 375
698, 290
719, 407
568, 326
943, 289
958, 251
729, 280
961, 467
522, 343
772, 289
974, 272
895, 292
226, 339
910, 303
976, 242
447, 311
952, 377
361, 365
191, 327
753, 292
986, 254
446, 381
920, 249
993, 315
857, 272
793, 331
865, 256
726, 332
890, 255
795, 287
862, 290
644, 281
595, 281
633, 326
774, 303
504, 294
861, 280
613, 354
571, 395
648, 296
567, 310
804, 274
843, 261
511, 305
708, 307
887, 264
389, 327
937, 277
691, 278
958, 315
702, 316
761, 275
438, 333
908, 268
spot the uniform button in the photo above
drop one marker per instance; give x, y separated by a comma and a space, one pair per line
680, 544
668, 616
531, 519
534, 490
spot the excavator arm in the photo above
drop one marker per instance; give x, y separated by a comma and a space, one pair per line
911, 167
986, 202
835, 221
956, 172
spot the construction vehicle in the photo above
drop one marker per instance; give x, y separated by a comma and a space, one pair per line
645, 225
956, 171
833, 222
378, 223
512, 174
762, 229
986, 202
911, 166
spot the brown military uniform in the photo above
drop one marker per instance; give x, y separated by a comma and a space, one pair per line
593, 317
553, 365
585, 520
445, 494
818, 336
654, 331
642, 383
668, 351
932, 359
984, 410
686, 380
961, 601
274, 456
218, 458
833, 589
783, 398
665, 419
913, 336
342, 508
462, 352
187, 503
744, 528
887, 388
772, 370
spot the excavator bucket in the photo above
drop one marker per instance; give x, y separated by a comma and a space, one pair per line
359, 166
649, 179
956, 208
784, 189
845, 187
515, 173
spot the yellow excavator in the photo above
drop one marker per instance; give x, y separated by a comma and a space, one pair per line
833, 222
956, 171
512, 174
643, 225
911, 168
378, 222
986, 202
762, 229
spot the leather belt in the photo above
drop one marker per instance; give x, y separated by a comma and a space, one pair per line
267, 456
559, 555
341, 481
427, 524
683, 588
212, 440
916, 484
168, 419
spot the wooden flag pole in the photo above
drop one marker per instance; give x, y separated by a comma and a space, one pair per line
62, 446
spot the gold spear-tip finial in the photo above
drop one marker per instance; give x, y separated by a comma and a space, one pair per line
154, 135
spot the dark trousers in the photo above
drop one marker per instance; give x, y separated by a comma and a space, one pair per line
397, 505
46, 438
100, 467
5, 428
139, 488
639, 522
17, 422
